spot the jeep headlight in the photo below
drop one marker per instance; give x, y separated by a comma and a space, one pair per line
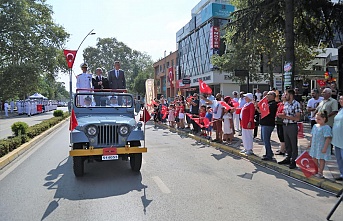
91, 130
124, 130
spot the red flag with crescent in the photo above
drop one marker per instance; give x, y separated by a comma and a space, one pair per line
225, 105
235, 103
171, 76
70, 56
264, 107
204, 88
73, 121
164, 112
146, 116
321, 82
306, 164
189, 99
206, 122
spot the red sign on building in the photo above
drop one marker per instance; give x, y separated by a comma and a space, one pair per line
215, 37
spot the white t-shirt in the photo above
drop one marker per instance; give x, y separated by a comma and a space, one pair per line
313, 103
258, 96
217, 109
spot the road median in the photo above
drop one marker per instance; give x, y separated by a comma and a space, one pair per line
11, 156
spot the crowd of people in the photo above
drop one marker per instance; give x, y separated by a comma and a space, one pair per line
243, 113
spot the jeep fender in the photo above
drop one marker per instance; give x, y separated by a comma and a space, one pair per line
77, 136
136, 135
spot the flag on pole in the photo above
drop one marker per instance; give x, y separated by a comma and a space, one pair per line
146, 116
306, 164
70, 57
164, 112
264, 107
204, 88
225, 105
73, 121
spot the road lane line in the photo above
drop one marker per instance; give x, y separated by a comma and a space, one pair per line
161, 185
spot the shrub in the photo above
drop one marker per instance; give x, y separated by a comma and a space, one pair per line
19, 128
58, 113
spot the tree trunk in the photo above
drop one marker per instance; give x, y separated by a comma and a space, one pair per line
289, 36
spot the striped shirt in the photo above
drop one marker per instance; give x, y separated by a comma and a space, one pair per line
291, 109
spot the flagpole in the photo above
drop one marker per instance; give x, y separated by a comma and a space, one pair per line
144, 125
70, 90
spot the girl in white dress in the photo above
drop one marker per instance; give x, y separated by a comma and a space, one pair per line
227, 126
171, 115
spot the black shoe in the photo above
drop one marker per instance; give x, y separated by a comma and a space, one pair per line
280, 153
292, 165
339, 178
285, 161
266, 158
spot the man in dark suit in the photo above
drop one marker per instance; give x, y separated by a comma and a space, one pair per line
116, 77
99, 83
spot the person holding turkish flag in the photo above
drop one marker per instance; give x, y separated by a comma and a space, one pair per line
267, 107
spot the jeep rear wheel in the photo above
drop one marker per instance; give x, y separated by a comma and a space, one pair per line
136, 161
78, 166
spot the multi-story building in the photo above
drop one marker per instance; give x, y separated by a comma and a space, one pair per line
165, 77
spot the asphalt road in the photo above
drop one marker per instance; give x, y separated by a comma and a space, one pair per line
6, 123
180, 180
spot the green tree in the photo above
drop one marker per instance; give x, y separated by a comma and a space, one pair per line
30, 46
109, 50
139, 82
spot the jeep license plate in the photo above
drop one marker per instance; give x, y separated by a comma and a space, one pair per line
110, 157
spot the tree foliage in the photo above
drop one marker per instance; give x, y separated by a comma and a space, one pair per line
255, 36
30, 47
109, 50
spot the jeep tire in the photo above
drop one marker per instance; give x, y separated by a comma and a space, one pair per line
136, 161
78, 166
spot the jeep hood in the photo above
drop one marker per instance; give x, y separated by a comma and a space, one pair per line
105, 119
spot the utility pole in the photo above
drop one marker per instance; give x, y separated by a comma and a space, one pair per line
289, 36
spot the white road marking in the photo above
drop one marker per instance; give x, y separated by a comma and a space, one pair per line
161, 185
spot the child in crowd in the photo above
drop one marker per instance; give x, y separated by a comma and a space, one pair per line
171, 115
209, 116
202, 114
157, 116
181, 115
227, 126
177, 110
320, 142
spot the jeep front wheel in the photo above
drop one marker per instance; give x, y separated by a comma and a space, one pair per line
78, 166
136, 161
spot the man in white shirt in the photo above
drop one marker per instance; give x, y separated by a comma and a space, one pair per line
241, 102
114, 101
312, 104
258, 94
218, 112
6, 108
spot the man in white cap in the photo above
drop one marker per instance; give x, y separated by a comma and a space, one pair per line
83, 81
114, 101
87, 102
247, 123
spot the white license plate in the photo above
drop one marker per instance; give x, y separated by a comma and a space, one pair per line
110, 157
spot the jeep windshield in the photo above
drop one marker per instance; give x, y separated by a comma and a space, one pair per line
103, 100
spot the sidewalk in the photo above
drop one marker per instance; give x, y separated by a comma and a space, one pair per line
330, 171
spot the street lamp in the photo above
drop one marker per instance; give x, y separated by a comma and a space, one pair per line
70, 70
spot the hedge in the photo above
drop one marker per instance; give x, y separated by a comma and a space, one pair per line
9, 144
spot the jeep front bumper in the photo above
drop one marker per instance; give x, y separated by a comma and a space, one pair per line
106, 151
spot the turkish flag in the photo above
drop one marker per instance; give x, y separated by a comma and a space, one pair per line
171, 76
73, 121
264, 107
321, 82
206, 122
164, 112
204, 88
189, 99
225, 105
306, 164
146, 116
70, 56
235, 103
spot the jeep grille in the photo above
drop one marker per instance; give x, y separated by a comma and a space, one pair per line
108, 135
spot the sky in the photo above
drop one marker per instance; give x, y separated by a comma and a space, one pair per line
148, 26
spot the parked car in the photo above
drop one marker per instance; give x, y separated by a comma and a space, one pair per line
106, 130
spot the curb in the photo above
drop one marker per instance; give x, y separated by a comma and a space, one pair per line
297, 174
11, 156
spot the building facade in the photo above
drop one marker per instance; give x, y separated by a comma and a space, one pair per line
165, 77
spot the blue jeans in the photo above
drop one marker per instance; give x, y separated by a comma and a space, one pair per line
339, 158
266, 132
